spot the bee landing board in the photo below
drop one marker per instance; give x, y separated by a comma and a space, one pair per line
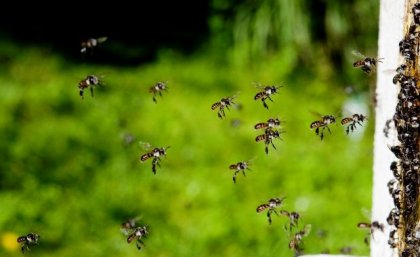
396, 104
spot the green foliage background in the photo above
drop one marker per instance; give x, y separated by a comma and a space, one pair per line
68, 174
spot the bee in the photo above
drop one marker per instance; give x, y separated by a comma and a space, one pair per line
293, 219
157, 89
137, 234
296, 242
268, 137
399, 77
90, 81
240, 166
353, 120
222, 104
367, 64
91, 43
270, 123
271, 206
29, 239
375, 225
265, 93
416, 13
321, 125
155, 153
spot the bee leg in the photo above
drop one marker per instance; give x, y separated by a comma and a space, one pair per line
347, 130
366, 240
328, 129
269, 217
243, 172
265, 104
273, 145
154, 99
266, 149
317, 130
139, 244
234, 176
81, 93
91, 91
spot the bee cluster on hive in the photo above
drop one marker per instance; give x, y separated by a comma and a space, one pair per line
404, 187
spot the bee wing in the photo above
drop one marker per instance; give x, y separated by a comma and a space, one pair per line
319, 115
102, 39
257, 85
145, 145
307, 229
358, 54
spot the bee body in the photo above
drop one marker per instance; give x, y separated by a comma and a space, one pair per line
222, 104
28, 240
270, 206
89, 82
91, 43
367, 64
137, 234
156, 153
239, 167
321, 125
352, 121
265, 93
157, 89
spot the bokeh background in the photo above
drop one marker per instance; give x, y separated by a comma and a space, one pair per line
70, 168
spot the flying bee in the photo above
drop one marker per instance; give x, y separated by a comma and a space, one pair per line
137, 234
29, 239
240, 166
158, 88
271, 206
296, 242
293, 219
90, 81
222, 104
270, 123
367, 64
268, 137
265, 93
353, 120
375, 225
321, 125
155, 153
91, 43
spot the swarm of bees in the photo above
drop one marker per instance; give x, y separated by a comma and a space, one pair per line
222, 104
238, 167
156, 153
157, 89
28, 240
367, 64
91, 43
89, 82
265, 93
404, 187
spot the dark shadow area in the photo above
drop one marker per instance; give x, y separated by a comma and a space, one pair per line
135, 30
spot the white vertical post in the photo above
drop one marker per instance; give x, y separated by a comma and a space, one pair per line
391, 31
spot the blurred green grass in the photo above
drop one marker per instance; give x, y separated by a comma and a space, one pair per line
68, 175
